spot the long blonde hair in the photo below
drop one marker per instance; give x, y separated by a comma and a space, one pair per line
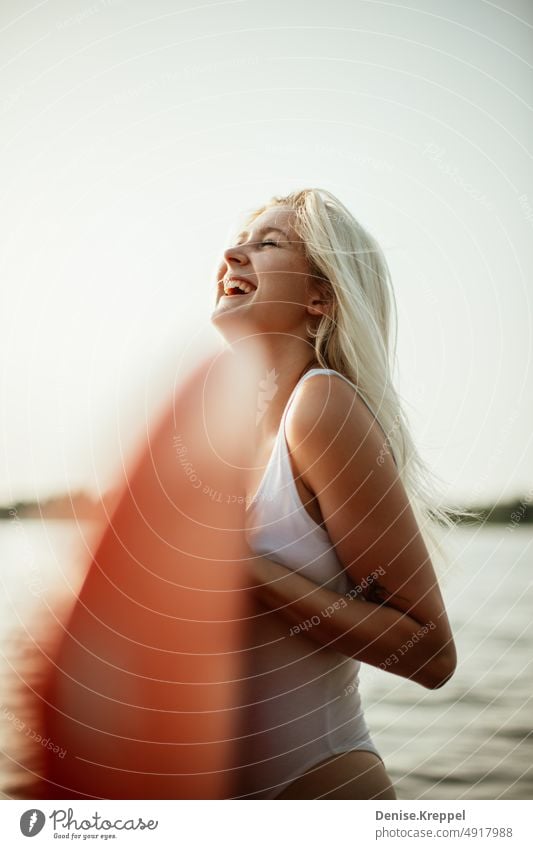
354, 339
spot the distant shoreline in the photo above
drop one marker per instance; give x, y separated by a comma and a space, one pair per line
80, 506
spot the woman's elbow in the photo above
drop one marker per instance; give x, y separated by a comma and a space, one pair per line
441, 668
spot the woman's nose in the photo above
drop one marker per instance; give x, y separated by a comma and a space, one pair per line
235, 255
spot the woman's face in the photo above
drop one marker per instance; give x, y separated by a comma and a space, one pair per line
270, 256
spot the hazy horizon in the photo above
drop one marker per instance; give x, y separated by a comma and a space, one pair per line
136, 135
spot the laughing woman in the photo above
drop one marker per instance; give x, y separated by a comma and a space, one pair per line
339, 502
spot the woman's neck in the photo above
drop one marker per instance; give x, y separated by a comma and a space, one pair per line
274, 387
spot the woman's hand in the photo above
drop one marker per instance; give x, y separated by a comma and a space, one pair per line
367, 631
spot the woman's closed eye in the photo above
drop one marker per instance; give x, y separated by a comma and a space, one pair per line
258, 244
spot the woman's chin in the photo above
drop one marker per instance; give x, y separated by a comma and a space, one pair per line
231, 320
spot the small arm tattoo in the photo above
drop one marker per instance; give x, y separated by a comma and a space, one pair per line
378, 594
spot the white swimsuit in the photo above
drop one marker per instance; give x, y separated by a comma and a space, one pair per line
303, 704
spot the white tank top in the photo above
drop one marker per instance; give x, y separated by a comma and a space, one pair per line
303, 700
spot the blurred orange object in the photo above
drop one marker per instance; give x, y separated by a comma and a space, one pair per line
142, 684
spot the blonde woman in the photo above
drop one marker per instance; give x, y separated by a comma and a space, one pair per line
339, 502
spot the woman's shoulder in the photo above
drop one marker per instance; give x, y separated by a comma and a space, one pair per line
326, 398
333, 435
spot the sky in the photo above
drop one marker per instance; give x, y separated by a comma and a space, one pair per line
136, 135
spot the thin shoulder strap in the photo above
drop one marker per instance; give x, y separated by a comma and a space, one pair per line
300, 380
358, 391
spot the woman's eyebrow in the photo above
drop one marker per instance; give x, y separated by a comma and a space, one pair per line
262, 230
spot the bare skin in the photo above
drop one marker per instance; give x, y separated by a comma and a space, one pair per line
352, 775
271, 320
274, 318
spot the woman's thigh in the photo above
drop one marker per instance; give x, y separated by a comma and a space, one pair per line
350, 775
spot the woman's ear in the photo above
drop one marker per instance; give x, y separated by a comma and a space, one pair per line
319, 299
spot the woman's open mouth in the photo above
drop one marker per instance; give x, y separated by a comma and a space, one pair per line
237, 287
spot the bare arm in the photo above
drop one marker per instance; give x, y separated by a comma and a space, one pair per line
371, 632
402, 625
